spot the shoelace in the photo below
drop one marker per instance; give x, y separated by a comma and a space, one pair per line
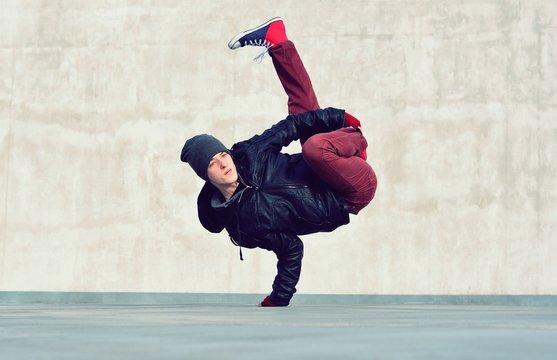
259, 58
259, 42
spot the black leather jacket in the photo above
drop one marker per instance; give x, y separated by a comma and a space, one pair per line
279, 197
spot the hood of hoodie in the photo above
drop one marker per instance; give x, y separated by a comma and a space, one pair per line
213, 210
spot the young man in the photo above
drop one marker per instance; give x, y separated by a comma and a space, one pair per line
265, 198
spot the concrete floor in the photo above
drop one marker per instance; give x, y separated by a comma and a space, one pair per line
40, 331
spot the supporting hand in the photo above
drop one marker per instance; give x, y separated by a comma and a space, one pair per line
265, 303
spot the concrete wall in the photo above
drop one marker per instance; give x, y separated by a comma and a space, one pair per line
458, 101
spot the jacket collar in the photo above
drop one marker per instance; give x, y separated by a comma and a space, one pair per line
213, 210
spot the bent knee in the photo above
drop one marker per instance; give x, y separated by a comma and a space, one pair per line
312, 150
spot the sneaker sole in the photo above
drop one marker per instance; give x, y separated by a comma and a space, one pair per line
232, 43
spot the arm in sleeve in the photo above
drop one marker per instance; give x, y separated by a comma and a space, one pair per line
289, 250
298, 126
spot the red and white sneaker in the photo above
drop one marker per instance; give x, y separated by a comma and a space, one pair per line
268, 35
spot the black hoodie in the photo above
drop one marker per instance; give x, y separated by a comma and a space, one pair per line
279, 197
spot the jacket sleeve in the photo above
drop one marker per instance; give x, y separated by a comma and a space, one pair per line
289, 250
299, 126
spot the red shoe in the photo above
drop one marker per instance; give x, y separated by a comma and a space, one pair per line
363, 154
268, 34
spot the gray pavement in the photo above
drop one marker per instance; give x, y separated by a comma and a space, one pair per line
217, 331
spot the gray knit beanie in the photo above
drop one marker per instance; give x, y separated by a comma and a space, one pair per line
198, 152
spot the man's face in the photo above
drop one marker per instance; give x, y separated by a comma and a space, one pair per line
222, 170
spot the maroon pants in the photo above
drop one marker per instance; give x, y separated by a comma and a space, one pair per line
334, 155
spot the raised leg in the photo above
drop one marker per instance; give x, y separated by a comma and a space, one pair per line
294, 78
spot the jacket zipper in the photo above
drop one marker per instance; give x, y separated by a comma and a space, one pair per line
285, 186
